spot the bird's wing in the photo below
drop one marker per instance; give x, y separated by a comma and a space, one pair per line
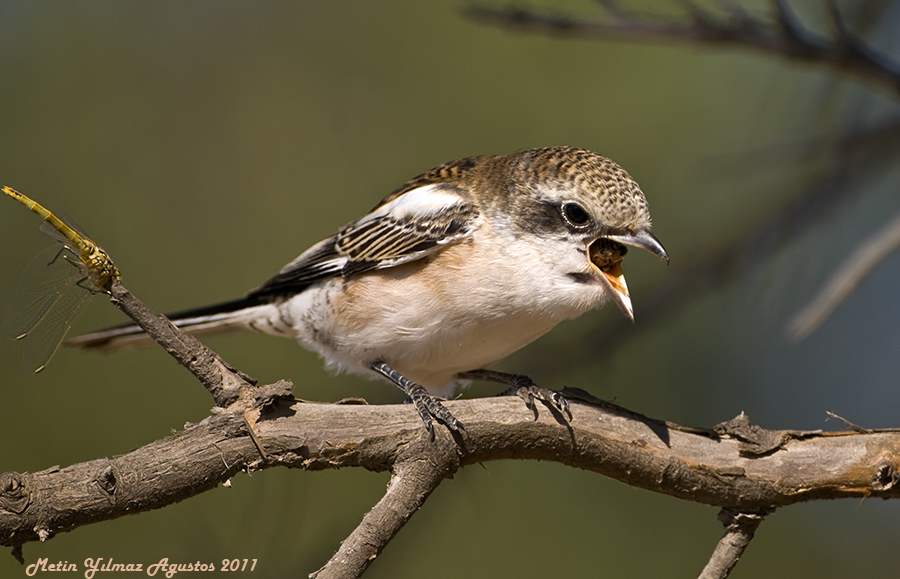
404, 228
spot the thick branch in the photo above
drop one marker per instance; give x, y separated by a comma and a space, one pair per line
422, 468
696, 465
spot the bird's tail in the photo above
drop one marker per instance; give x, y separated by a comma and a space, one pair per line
216, 319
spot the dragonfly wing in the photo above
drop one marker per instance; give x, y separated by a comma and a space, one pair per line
44, 339
45, 279
53, 289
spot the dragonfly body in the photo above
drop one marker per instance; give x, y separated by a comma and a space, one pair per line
57, 284
98, 263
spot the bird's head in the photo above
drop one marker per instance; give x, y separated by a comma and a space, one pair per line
586, 211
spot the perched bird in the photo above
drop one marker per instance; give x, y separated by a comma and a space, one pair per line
450, 273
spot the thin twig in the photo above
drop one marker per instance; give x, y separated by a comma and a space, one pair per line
739, 530
847, 423
845, 279
222, 381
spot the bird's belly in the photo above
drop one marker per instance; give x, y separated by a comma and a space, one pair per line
428, 320
434, 356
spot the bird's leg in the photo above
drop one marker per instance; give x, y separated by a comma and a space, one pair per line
523, 387
426, 404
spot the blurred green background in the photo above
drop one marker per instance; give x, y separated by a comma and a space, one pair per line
206, 144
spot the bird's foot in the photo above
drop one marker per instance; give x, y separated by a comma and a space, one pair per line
525, 388
429, 406
426, 405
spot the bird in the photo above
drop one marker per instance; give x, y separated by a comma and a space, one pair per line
449, 274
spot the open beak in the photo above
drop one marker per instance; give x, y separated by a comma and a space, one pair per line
606, 255
614, 281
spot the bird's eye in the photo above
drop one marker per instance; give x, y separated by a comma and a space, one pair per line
575, 215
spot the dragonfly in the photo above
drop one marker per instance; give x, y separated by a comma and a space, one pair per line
57, 284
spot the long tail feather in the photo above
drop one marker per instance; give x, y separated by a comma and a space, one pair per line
215, 319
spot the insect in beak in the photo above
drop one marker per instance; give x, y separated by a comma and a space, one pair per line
606, 254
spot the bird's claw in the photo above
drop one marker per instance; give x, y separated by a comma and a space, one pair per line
430, 407
552, 398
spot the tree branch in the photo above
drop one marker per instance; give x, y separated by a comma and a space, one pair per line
723, 469
420, 470
223, 381
744, 469
739, 530
848, 275
783, 34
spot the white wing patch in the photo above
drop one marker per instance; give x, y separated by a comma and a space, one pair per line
406, 228
423, 201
